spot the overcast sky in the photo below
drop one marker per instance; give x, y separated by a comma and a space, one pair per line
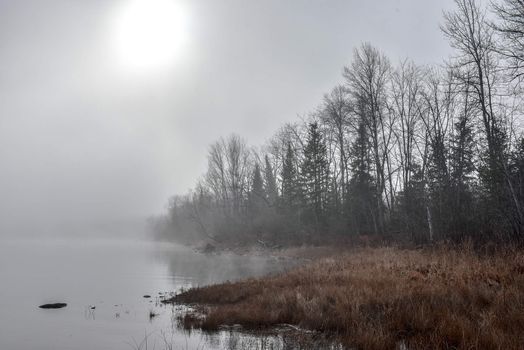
85, 138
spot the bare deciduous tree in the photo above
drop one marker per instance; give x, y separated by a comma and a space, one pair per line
367, 77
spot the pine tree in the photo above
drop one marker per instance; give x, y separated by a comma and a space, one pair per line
270, 182
257, 195
361, 188
438, 186
461, 178
416, 220
315, 173
517, 169
290, 183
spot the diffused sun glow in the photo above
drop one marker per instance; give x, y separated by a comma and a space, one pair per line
149, 33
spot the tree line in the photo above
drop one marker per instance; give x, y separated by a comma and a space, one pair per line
398, 151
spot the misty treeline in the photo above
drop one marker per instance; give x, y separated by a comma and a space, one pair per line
396, 152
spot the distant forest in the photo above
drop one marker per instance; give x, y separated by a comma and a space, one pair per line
396, 153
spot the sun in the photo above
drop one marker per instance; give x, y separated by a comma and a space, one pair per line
149, 33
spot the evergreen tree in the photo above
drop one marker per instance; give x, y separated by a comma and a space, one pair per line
361, 188
290, 197
461, 178
315, 173
270, 182
438, 185
497, 203
414, 206
516, 170
257, 195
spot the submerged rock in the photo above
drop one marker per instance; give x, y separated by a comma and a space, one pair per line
53, 306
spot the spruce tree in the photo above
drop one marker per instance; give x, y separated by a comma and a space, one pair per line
361, 187
461, 178
438, 185
270, 182
315, 173
290, 183
257, 195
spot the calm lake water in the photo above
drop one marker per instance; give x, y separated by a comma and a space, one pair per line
113, 276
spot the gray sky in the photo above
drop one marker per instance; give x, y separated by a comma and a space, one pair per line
84, 138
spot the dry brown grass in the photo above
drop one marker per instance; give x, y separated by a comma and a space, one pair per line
374, 298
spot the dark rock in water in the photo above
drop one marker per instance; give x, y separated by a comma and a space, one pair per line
53, 306
147, 296
92, 307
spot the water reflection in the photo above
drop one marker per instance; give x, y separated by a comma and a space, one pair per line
233, 338
103, 283
190, 268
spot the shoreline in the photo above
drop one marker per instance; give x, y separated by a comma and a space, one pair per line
377, 298
304, 253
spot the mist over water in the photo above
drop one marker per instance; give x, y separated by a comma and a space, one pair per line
111, 275
96, 134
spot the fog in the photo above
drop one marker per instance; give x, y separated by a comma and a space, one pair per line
85, 140
327, 171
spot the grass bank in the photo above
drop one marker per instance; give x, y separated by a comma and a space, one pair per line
375, 298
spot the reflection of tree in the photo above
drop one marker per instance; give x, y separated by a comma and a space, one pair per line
283, 339
200, 269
